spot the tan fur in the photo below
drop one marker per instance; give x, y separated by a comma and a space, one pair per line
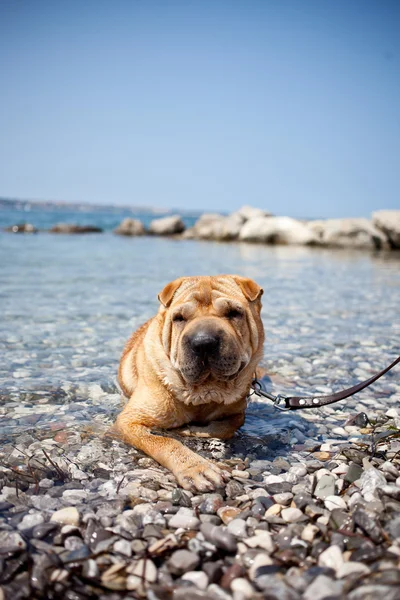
168, 388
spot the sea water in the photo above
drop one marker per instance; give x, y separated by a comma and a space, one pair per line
68, 303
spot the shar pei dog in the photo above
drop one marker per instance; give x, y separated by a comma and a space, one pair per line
190, 369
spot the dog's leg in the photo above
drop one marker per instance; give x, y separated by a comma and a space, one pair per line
191, 470
223, 430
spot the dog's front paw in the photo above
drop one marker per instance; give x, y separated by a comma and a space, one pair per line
201, 475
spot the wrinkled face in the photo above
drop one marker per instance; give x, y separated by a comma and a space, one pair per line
212, 326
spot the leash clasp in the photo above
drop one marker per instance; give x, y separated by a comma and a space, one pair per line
280, 403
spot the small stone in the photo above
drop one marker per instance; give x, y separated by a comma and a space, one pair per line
351, 568
113, 578
12, 540
292, 515
233, 489
309, 532
370, 592
302, 500
325, 487
322, 588
123, 547
143, 571
258, 493
332, 558
279, 487
198, 578
273, 511
67, 516
228, 513
237, 527
214, 592
30, 520
167, 543
284, 498
299, 470
185, 518
240, 474
332, 502
388, 467
90, 569
369, 523
43, 530
211, 504
182, 561
371, 480
242, 589
258, 509
262, 539
354, 472
260, 560
390, 490
220, 537
341, 520
323, 456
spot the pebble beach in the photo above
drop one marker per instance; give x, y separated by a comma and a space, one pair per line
312, 506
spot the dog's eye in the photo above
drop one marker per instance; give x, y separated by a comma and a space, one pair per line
178, 318
233, 314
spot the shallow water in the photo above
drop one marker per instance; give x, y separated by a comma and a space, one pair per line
69, 303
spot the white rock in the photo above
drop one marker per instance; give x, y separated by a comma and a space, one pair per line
217, 227
198, 578
250, 212
123, 547
284, 498
277, 230
262, 539
388, 467
67, 516
145, 570
349, 568
237, 527
261, 560
167, 225
322, 587
349, 233
393, 413
388, 221
130, 227
309, 532
298, 470
184, 518
258, 493
332, 558
332, 502
273, 479
291, 515
30, 520
242, 589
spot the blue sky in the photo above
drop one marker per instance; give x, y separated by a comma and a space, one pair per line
290, 105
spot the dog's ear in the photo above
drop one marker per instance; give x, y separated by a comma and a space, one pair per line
167, 294
250, 288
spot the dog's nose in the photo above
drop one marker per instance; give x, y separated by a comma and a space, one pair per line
203, 343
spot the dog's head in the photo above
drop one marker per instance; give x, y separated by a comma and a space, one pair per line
211, 326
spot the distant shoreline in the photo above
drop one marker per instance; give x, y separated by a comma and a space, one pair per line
56, 205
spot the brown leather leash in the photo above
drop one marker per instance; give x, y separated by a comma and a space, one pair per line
282, 402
